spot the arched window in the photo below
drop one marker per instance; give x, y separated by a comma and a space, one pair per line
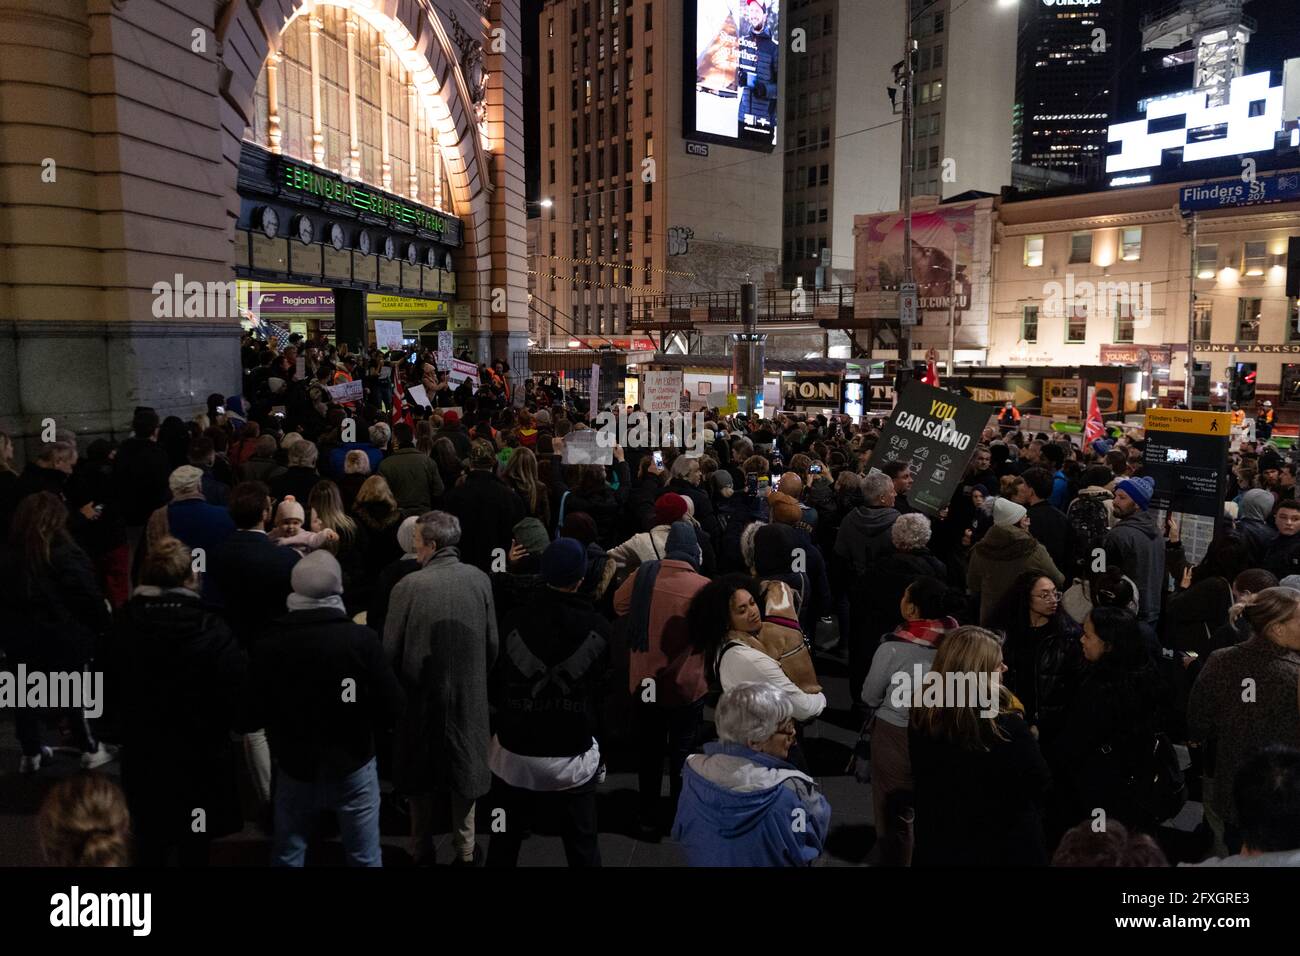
374, 124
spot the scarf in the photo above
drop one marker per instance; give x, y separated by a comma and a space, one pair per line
300, 602
924, 633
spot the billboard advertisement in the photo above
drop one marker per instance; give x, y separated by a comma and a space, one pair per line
937, 235
732, 72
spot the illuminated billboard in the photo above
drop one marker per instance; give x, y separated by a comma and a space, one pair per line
1248, 122
732, 72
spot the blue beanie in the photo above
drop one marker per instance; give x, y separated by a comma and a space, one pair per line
564, 562
1140, 489
1102, 447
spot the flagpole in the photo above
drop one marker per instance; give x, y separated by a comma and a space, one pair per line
952, 311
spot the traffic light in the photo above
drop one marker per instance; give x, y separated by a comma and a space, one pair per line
1293, 267
1241, 382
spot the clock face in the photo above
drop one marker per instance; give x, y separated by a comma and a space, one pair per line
270, 222
430, 258
306, 231
412, 254
363, 243
446, 263
337, 237
390, 247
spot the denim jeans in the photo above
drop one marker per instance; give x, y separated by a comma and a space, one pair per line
353, 799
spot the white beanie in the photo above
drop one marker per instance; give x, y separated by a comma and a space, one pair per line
289, 508
1006, 512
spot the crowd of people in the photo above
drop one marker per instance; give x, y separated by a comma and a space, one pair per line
294, 601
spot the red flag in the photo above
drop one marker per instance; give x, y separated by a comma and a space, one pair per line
400, 414
1094, 428
931, 376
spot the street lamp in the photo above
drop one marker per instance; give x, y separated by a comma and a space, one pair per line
546, 203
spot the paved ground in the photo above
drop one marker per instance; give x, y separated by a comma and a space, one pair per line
828, 745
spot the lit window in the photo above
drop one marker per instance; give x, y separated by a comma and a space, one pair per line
1207, 257
1131, 244
1256, 258
1033, 250
1201, 315
1123, 323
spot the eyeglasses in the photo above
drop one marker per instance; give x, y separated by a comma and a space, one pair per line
1054, 595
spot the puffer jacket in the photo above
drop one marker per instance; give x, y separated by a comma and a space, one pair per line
1057, 665
998, 559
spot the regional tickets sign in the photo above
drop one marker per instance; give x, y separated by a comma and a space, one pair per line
936, 433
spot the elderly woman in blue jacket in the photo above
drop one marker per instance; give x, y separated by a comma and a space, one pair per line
742, 803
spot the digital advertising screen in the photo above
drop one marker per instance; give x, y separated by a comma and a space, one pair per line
732, 72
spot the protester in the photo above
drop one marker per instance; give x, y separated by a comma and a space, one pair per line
183, 682
901, 652
999, 559
411, 474
441, 635
322, 689
544, 755
486, 508
56, 618
1245, 699
980, 779
84, 822
1136, 546
666, 680
1042, 651
1266, 793
740, 795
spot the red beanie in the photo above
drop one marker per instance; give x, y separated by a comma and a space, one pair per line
669, 508
450, 418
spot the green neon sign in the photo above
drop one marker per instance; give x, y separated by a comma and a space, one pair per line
332, 188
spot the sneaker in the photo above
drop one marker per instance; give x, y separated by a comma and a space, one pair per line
33, 764
600, 773
105, 754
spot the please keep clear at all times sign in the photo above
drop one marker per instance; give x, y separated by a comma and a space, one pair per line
936, 433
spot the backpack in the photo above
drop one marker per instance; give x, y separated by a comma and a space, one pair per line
1089, 524
1160, 787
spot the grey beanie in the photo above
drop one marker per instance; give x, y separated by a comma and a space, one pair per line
318, 575
1290, 581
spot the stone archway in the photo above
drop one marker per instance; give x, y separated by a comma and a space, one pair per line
248, 34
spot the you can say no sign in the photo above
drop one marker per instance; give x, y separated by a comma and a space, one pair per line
935, 433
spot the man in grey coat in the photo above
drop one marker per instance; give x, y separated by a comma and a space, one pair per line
1137, 546
441, 635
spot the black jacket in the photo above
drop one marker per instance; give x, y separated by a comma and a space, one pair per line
865, 536
1051, 528
1045, 674
54, 618
140, 473
252, 573
980, 808
322, 688
382, 592
182, 681
1107, 740
297, 480
1283, 556
488, 510
605, 505
895, 574
549, 681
